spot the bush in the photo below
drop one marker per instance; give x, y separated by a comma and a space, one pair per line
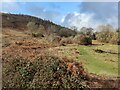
64, 32
57, 39
44, 71
65, 41
82, 40
108, 37
37, 34
32, 26
104, 37
53, 38
115, 39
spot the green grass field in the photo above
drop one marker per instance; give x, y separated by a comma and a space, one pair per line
93, 62
99, 63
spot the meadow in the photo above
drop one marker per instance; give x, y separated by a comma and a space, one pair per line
94, 62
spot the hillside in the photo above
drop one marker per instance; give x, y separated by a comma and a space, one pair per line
20, 22
35, 62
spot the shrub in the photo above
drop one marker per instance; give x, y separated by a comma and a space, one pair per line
87, 31
45, 71
65, 41
115, 38
104, 36
57, 39
37, 34
32, 26
64, 32
108, 37
53, 38
108, 34
82, 40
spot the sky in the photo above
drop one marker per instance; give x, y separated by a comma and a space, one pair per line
79, 14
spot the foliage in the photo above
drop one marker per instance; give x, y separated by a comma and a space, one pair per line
115, 38
88, 32
32, 26
82, 40
45, 71
107, 34
65, 41
57, 39
35, 34
108, 37
64, 32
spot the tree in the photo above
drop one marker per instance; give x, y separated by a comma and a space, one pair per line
65, 32
104, 28
87, 31
41, 29
36, 29
82, 39
107, 34
32, 26
74, 28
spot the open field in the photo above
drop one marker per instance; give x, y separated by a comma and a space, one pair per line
97, 63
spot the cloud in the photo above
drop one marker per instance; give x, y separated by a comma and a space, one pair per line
102, 10
92, 14
79, 20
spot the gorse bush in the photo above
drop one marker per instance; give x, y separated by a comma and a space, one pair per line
45, 71
64, 32
104, 36
114, 39
82, 40
88, 32
107, 34
37, 34
108, 37
65, 41
32, 26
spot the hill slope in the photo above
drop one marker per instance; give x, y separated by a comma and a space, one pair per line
20, 22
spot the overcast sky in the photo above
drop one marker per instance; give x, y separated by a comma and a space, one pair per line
79, 14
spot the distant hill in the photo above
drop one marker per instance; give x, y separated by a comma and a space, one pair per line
19, 21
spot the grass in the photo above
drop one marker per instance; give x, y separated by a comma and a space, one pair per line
98, 63
93, 62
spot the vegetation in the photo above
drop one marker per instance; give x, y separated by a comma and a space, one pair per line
37, 35
82, 40
32, 26
98, 59
62, 58
45, 71
99, 62
64, 32
66, 41
107, 34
